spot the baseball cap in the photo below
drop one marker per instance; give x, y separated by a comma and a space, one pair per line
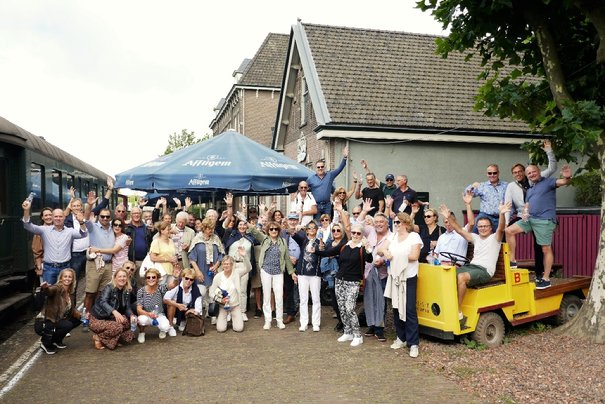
293, 215
389, 177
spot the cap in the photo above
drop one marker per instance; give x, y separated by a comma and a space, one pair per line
389, 177
293, 215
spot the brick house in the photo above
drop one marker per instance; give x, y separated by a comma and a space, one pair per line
251, 104
396, 104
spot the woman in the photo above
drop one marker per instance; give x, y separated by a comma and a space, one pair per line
273, 261
205, 255
340, 194
236, 238
329, 266
403, 251
162, 249
150, 306
309, 277
351, 263
226, 289
111, 315
277, 216
59, 315
183, 299
119, 249
325, 229
429, 233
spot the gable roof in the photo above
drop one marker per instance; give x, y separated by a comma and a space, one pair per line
385, 80
264, 71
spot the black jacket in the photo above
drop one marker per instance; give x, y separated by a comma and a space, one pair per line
108, 302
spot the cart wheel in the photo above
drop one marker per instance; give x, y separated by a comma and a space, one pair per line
489, 330
570, 305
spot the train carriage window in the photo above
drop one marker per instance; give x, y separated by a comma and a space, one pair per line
36, 176
85, 188
56, 189
3, 187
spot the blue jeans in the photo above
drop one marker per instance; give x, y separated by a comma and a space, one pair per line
408, 330
50, 272
323, 207
78, 263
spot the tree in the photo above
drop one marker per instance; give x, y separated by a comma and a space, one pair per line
181, 140
544, 63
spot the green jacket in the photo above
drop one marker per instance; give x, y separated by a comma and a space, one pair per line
265, 241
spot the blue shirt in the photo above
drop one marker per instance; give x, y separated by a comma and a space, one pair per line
541, 197
57, 243
322, 187
491, 196
101, 237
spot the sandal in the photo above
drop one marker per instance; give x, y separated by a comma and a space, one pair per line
98, 344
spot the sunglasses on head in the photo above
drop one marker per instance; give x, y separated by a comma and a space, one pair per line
104, 216
151, 277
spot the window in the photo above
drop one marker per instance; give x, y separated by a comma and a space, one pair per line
56, 190
3, 186
70, 181
36, 177
304, 97
85, 188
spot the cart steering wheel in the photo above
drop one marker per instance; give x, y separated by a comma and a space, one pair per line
455, 258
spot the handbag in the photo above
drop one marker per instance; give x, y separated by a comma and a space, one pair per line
194, 325
213, 309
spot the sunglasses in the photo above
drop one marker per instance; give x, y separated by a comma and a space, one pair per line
189, 279
273, 229
117, 225
104, 216
356, 213
303, 187
389, 179
356, 233
120, 211
151, 277
396, 221
428, 216
492, 172
129, 268
325, 219
319, 167
342, 193
336, 230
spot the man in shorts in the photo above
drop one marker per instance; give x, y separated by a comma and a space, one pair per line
487, 248
542, 221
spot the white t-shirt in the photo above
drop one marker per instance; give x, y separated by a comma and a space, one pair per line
401, 250
305, 205
486, 252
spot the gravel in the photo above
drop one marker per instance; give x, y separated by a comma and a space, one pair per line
532, 366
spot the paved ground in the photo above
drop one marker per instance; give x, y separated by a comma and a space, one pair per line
253, 366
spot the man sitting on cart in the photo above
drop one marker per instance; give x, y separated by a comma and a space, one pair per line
487, 249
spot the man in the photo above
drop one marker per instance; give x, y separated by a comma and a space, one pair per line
403, 196
542, 221
321, 184
388, 187
182, 237
485, 256
56, 239
120, 213
101, 236
303, 203
373, 192
191, 221
516, 192
355, 212
450, 241
294, 251
213, 215
376, 279
141, 236
147, 214
491, 193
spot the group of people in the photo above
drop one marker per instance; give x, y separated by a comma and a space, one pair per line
148, 271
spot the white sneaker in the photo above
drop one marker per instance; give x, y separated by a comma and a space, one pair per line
141, 338
172, 332
280, 325
302, 328
414, 351
357, 341
213, 320
244, 317
267, 326
315, 328
345, 338
398, 344
182, 326
228, 317
162, 334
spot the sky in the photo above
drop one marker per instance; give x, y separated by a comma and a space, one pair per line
109, 81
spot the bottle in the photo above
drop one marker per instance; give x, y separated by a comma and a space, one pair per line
84, 319
525, 213
156, 311
227, 306
436, 261
133, 324
30, 197
320, 234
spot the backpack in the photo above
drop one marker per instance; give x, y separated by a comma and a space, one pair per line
194, 325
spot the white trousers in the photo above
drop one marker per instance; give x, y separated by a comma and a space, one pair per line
312, 283
163, 323
237, 321
275, 282
243, 296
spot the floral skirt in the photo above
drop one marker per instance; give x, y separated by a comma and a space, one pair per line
110, 332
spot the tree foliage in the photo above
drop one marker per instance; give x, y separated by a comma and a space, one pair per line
544, 63
178, 141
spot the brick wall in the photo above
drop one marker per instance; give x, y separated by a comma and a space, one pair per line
260, 108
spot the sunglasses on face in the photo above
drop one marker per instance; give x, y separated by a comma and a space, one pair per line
336, 230
320, 167
104, 216
492, 172
428, 216
303, 187
342, 193
356, 233
396, 221
117, 225
151, 277
189, 279
355, 213
325, 220
273, 229
128, 268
